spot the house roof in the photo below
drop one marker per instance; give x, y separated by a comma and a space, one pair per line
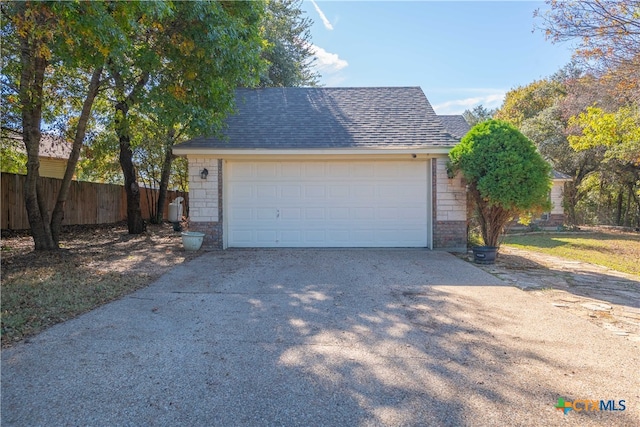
555, 175
54, 147
328, 118
51, 146
455, 125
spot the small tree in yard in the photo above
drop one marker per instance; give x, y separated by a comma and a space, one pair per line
505, 175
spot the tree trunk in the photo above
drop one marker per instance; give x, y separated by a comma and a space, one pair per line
492, 219
135, 223
58, 211
31, 88
570, 200
619, 207
165, 175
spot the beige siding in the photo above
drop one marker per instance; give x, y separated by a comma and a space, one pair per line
52, 168
557, 191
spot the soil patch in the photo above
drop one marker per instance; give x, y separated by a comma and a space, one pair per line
96, 264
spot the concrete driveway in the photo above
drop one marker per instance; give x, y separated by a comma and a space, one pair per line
321, 337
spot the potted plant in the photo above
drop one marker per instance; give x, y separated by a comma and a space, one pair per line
192, 240
506, 177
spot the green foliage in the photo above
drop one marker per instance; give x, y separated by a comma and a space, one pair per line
527, 101
289, 51
478, 114
618, 132
505, 174
204, 51
12, 156
503, 165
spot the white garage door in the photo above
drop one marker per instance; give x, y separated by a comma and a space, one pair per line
327, 204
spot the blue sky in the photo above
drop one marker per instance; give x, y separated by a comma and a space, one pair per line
461, 53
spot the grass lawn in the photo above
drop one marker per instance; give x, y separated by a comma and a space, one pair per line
618, 251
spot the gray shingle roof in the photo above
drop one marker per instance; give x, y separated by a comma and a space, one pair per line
560, 176
320, 118
455, 125
52, 146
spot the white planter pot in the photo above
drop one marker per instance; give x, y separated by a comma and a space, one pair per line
192, 240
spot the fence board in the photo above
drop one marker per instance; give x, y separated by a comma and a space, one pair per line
88, 202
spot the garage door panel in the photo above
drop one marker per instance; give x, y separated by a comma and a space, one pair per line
327, 204
338, 191
290, 237
338, 170
288, 214
339, 213
267, 170
291, 170
268, 214
289, 192
315, 191
360, 214
242, 237
242, 214
268, 192
266, 236
314, 170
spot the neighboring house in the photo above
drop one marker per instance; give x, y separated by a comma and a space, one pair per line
327, 167
54, 153
556, 217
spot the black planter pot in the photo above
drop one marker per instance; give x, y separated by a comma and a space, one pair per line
484, 254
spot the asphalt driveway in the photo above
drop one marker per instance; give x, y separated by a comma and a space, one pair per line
321, 337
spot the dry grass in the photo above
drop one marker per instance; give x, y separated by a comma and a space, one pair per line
97, 265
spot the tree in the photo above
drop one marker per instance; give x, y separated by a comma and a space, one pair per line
211, 49
286, 61
608, 37
289, 51
618, 133
608, 30
548, 131
478, 114
181, 69
526, 101
505, 174
38, 36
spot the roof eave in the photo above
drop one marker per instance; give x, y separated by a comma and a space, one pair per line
222, 153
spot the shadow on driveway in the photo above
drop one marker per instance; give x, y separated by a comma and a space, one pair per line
320, 337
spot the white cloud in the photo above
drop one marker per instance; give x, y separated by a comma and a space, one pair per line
327, 62
323, 17
458, 106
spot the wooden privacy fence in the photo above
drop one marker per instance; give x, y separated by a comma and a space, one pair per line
88, 202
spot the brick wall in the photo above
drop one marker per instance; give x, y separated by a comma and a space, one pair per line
205, 200
449, 209
450, 235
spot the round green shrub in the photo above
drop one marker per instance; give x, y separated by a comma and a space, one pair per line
505, 174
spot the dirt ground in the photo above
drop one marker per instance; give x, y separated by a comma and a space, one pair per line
100, 249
